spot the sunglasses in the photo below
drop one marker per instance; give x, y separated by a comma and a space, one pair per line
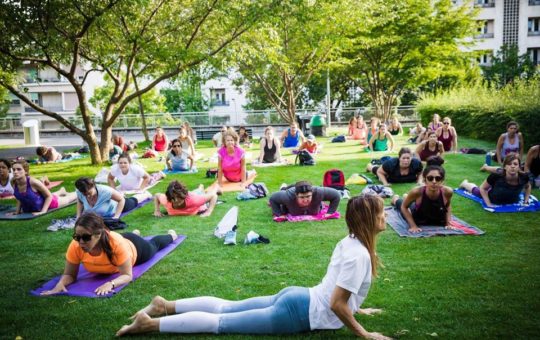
446, 123
84, 237
436, 178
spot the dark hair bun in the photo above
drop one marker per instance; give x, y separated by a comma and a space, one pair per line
435, 160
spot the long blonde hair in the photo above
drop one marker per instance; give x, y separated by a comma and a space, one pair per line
363, 220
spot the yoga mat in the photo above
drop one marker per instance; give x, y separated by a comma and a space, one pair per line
233, 186
173, 172
534, 205
400, 226
140, 205
27, 216
133, 192
87, 282
301, 218
65, 160
51, 185
267, 165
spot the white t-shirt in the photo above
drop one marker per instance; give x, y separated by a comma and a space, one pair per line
218, 139
7, 190
130, 181
350, 269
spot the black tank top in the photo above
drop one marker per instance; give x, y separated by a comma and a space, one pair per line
535, 165
430, 212
269, 153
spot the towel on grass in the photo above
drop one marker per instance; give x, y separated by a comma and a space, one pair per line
52, 184
256, 164
400, 226
235, 186
87, 282
26, 216
300, 218
534, 205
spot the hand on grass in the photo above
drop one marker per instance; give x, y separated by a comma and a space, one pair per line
158, 213
376, 336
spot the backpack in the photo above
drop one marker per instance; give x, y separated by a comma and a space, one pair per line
378, 190
338, 139
334, 178
211, 173
114, 224
304, 158
258, 190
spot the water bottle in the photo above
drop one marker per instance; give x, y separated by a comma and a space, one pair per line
488, 158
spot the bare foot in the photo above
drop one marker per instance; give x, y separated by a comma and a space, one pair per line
484, 167
394, 199
62, 192
464, 183
173, 234
141, 324
136, 232
155, 308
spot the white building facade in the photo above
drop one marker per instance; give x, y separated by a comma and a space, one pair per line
511, 22
225, 99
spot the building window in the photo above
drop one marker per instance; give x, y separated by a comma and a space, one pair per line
534, 26
486, 58
484, 3
219, 98
534, 2
486, 29
534, 54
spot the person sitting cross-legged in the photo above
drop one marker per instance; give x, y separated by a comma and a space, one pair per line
331, 304
304, 199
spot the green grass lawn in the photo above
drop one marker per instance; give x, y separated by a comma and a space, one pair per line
449, 287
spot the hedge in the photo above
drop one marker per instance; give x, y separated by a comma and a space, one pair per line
482, 113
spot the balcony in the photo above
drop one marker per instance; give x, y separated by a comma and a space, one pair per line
487, 4
33, 80
534, 2
484, 36
533, 33
221, 103
49, 108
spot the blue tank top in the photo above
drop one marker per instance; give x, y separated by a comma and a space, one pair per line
291, 141
30, 200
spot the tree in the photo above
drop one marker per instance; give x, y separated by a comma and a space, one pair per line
152, 40
282, 55
185, 94
508, 65
403, 44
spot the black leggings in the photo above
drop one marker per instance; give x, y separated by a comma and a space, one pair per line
147, 249
131, 203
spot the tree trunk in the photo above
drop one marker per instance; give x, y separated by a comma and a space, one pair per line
106, 135
141, 109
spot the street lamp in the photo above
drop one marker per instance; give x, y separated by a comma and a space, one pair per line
235, 113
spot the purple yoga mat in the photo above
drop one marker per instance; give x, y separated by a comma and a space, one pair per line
140, 205
87, 282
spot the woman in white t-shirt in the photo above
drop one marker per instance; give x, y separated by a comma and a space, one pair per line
6, 189
132, 177
329, 305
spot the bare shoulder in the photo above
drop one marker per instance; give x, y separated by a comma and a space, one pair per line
448, 192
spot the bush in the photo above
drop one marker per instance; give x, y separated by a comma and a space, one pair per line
481, 112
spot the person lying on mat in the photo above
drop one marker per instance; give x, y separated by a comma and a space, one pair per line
177, 159
401, 169
379, 141
130, 176
304, 199
48, 154
103, 200
532, 164
417, 133
331, 304
6, 189
103, 251
504, 187
430, 147
427, 205
178, 201
231, 160
292, 137
32, 195
270, 147
160, 141
310, 145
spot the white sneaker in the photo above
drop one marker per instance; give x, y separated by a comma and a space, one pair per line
251, 237
55, 225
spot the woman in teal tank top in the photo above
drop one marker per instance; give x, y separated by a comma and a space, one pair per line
379, 141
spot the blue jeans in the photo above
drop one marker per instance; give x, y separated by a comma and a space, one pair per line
285, 312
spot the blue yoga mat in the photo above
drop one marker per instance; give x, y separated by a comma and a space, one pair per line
87, 282
400, 226
534, 205
172, 172
4, 210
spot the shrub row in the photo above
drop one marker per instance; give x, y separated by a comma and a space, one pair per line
482, 113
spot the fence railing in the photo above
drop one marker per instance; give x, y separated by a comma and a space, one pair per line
201, 119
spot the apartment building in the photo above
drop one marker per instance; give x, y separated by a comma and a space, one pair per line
47, 88
509, 22
226, 100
